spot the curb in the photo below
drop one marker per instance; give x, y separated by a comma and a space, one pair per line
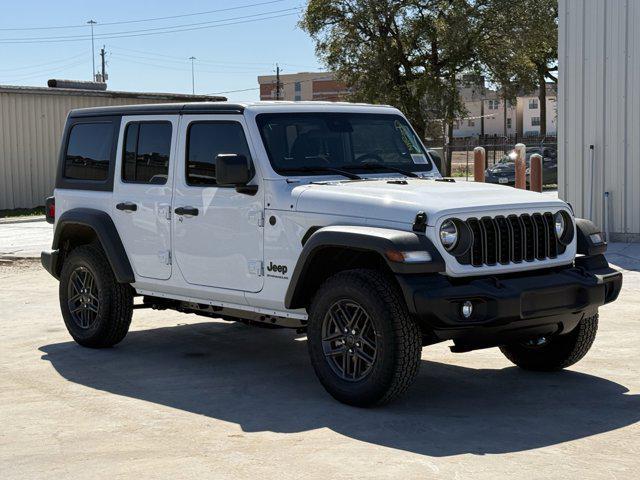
4, 260
13, 220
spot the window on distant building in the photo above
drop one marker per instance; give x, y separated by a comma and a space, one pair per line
508, 123
493, 104
297, 98
535, 121
471, 123
533, 103
298, 87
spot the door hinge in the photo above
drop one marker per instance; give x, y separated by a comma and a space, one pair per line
256, 217
256, 267
165, 257
164, 211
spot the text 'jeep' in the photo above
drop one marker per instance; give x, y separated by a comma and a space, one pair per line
327, 218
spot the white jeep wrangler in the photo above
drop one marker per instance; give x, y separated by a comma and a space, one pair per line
327, 218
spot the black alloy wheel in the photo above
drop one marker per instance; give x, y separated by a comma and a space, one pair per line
83, 302
349, 340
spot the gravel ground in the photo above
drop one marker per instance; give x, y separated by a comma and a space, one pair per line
183, 397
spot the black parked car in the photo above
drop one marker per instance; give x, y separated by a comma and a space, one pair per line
504, 172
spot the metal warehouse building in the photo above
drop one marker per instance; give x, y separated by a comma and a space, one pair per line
599, 113
31, 124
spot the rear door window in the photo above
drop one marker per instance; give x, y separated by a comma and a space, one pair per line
147, 148
88, 154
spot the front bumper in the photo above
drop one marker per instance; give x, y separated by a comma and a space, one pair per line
508, 308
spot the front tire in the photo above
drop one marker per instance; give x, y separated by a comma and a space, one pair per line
557, 352
96, 308
364, 346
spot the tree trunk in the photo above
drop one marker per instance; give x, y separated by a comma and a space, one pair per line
542, 98
504, 119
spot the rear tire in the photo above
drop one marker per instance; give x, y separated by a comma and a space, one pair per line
96, 308
559, 352
384, 341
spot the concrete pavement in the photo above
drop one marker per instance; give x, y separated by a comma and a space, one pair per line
184, 397
24, 237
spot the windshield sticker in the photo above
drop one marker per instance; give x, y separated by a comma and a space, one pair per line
418, 158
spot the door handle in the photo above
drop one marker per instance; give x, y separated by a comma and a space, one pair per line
187, 211
127, 207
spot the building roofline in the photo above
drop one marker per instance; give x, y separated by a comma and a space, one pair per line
19, 89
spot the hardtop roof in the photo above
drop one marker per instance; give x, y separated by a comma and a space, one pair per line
218, 108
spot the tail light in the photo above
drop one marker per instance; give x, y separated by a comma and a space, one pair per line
50, 209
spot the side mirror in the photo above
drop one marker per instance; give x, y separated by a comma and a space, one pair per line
232, 170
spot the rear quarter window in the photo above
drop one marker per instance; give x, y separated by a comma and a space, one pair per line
88, 154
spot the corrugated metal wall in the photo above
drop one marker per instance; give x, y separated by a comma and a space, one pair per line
599, 105
31, 127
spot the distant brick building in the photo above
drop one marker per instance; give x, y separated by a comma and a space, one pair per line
303, 86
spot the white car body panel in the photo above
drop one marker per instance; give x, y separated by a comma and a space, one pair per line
146, 233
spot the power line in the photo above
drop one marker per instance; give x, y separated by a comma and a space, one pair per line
185, 67
47, 72
175, 59
183, 62
147, 55
54, 62
157, 30
144, 19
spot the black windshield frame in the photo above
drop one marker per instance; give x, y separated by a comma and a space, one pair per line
264, 119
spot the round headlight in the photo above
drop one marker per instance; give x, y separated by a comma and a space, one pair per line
560, 224
448, 234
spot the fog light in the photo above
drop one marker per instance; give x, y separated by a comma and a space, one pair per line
467, 309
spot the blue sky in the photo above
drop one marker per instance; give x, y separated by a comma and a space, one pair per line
228, 57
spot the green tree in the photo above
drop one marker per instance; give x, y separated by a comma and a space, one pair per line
519, 47
407, 53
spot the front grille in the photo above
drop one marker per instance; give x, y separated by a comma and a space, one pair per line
511, 239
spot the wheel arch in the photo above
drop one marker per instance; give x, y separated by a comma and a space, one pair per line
330, 250
82, 226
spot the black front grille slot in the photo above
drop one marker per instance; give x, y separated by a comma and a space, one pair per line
551, 234
505, 240
517, 246
490, 233
541, 236
477, 246
511, 239
529, 238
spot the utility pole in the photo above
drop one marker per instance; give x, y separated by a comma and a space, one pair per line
103, 74
93, 52
277, 82
193, 76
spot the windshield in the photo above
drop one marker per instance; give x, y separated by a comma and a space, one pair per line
361, 143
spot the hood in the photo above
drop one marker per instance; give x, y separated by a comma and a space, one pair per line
399, 202
502, 168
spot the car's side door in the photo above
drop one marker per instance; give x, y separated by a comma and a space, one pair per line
218, 231
142, 191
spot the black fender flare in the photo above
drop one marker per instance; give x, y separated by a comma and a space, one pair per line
107, 234
584, 242
362, 238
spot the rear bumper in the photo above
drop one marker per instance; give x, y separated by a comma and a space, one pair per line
49, 260
512, 307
